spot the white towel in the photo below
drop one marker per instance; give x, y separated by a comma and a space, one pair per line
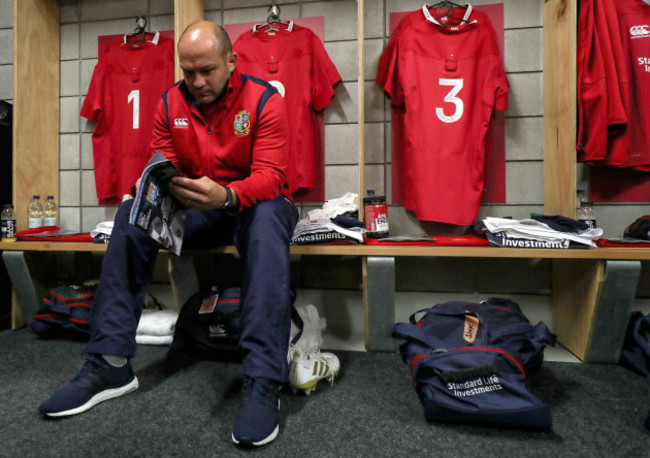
105, 227
157, 323
348, 202
142, 339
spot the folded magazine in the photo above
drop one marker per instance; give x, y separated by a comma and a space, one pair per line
155, 210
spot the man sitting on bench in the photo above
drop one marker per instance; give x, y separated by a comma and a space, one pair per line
226, 132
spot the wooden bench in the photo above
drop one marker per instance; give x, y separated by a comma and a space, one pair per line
593, 290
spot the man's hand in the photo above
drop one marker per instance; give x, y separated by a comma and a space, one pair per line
199, 193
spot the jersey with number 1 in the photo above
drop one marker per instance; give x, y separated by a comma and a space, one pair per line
125, 89
449, 79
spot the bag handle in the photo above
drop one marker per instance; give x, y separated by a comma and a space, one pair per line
441, 311
411, 331
538, 333
518, 329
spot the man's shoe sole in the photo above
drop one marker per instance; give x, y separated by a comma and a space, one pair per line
99, 397
266, 440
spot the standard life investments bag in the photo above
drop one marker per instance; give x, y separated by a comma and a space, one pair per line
471, 362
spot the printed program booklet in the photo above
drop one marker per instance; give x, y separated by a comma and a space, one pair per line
155, 210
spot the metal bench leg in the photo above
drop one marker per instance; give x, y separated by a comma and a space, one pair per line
592, 300
379, 302
183, 278
616, 298
22, 282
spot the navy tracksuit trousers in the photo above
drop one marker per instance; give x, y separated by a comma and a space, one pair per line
261, 233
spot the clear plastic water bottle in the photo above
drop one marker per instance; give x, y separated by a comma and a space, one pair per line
581, 197
35, 212
587, 214
49, 212
8, 224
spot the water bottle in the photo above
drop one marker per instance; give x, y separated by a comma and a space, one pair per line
35, 211
8, 224
581, 197
49, 212
376, 215
587, 214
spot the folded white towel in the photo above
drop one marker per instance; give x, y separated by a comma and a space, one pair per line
153, 340
348, 202
105, 227
157, 323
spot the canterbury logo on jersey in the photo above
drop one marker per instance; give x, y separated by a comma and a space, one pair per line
640, 31
218, 330
320, 368
181, 123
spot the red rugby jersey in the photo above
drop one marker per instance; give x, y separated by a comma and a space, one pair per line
450, 79
602, 84
124, 92
634, 24
294, 61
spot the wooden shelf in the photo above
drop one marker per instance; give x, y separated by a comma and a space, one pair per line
374, 250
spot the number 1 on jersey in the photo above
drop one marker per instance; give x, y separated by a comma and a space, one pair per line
456, 85
135, 96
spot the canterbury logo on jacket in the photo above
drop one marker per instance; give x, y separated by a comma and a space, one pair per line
240, 140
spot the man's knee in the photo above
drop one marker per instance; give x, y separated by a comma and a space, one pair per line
271, 219
280, 211
124, 212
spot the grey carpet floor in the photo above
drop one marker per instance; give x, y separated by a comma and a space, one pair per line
371, 410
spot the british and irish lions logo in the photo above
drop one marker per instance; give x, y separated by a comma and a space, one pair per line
242, 123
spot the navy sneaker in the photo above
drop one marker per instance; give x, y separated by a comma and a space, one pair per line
258, 420
96, 382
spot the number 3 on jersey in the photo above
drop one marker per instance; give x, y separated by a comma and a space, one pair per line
135, 96
456, 85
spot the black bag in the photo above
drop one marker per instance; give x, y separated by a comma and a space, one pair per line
65, 312
635, 355
471, 363
208, 326
639, 229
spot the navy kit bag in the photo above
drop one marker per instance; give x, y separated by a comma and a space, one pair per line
471, 362
65, 312
635, 354
208, 326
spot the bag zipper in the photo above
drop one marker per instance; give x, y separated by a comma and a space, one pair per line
496, 350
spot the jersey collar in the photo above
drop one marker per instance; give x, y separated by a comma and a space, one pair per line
232, 87
154, 40
468, 13
259, 27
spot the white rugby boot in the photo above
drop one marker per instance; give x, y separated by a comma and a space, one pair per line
307, 370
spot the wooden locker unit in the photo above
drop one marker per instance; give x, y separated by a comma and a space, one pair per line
36, 103
560, 41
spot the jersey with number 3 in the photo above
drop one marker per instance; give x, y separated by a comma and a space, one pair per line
124, 92
449, 79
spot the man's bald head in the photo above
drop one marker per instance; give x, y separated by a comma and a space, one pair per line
206, 57
206, 31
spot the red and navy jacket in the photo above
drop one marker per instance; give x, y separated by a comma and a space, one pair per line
240, 140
